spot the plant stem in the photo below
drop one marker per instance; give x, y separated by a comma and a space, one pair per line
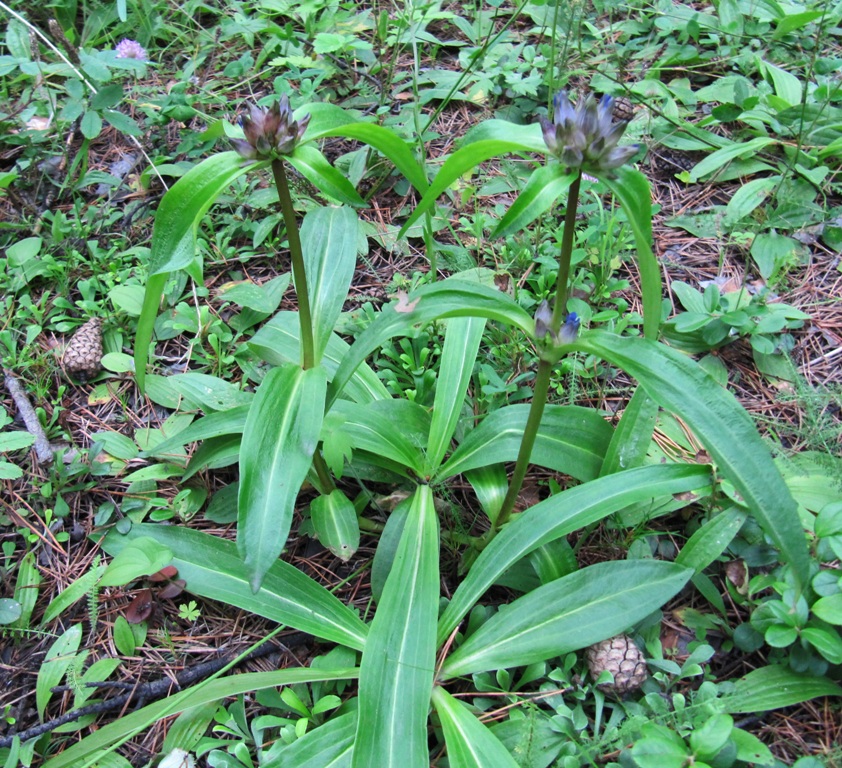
530, 432
299, 275
542, 378
566, 253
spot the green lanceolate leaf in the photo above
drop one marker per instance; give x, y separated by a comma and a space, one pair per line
133, 723
329, 746
546, 184
680, 386
57, 661
391, 429
631, 188
458, 356
396, 672
568, 614
329, 242
278, 342
633, 435
230, 422
393, 147
281, 435
710, 541
335, 521
174, 235
437, 301
774, 687
469, 743
212, 568
560, 515
457, 165
314, 167
570, 439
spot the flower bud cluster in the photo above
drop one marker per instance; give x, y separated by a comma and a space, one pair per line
270, 132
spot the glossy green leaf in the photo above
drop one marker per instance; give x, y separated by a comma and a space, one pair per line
56, 662
632, 190
711, 540
529, 137
680, 386
281, 435
774, 687
546, 184
388, 144
396, 672
560, 515
571, 439
212, 568
469, 743
329, 746
391, 429
329, 242
85, 753
490, 485
436, 301
72, 593
277, 343
230, 422
715, 160
568, 614
26, 589
314, 167
633, 435
335, 521
456, 166
458, 356
143, 557
174, 235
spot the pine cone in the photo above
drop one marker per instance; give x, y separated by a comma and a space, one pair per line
623, 109
622, 658
83, 355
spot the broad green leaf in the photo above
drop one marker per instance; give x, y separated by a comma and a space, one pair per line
715, 160
174, 235
748, 197
680, 386
324, 117
26, 589
560, 515
631, 188
546, 184
391, 429
57, 661
280, 438
85, 753
212, 568
72, 593
774, 687
436, 301
396, 671
568, 614
328, 746
456, 166
230, 422
387, 547
387, 143
277, 343
143, 557
793, 21
208, 393
458, 356
571, 439
529, 137
490, 485
633, 435
314, 167
711, 540
469, 743
787, 86
335, 521
329, 242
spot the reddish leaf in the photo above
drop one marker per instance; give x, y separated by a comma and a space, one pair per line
140, 609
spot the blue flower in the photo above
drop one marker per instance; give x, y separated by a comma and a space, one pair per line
270, 132
570, 329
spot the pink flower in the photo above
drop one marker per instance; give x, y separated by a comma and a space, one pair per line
129, 49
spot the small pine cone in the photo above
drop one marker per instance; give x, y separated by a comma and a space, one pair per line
83, 355
623, 109
622, 658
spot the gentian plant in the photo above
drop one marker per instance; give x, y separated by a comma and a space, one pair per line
321, 408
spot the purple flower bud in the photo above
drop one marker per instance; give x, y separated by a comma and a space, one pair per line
129, 49
270, 132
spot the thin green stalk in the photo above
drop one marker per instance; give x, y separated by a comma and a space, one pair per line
299, 275
530, 432
542, 379
566, 254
